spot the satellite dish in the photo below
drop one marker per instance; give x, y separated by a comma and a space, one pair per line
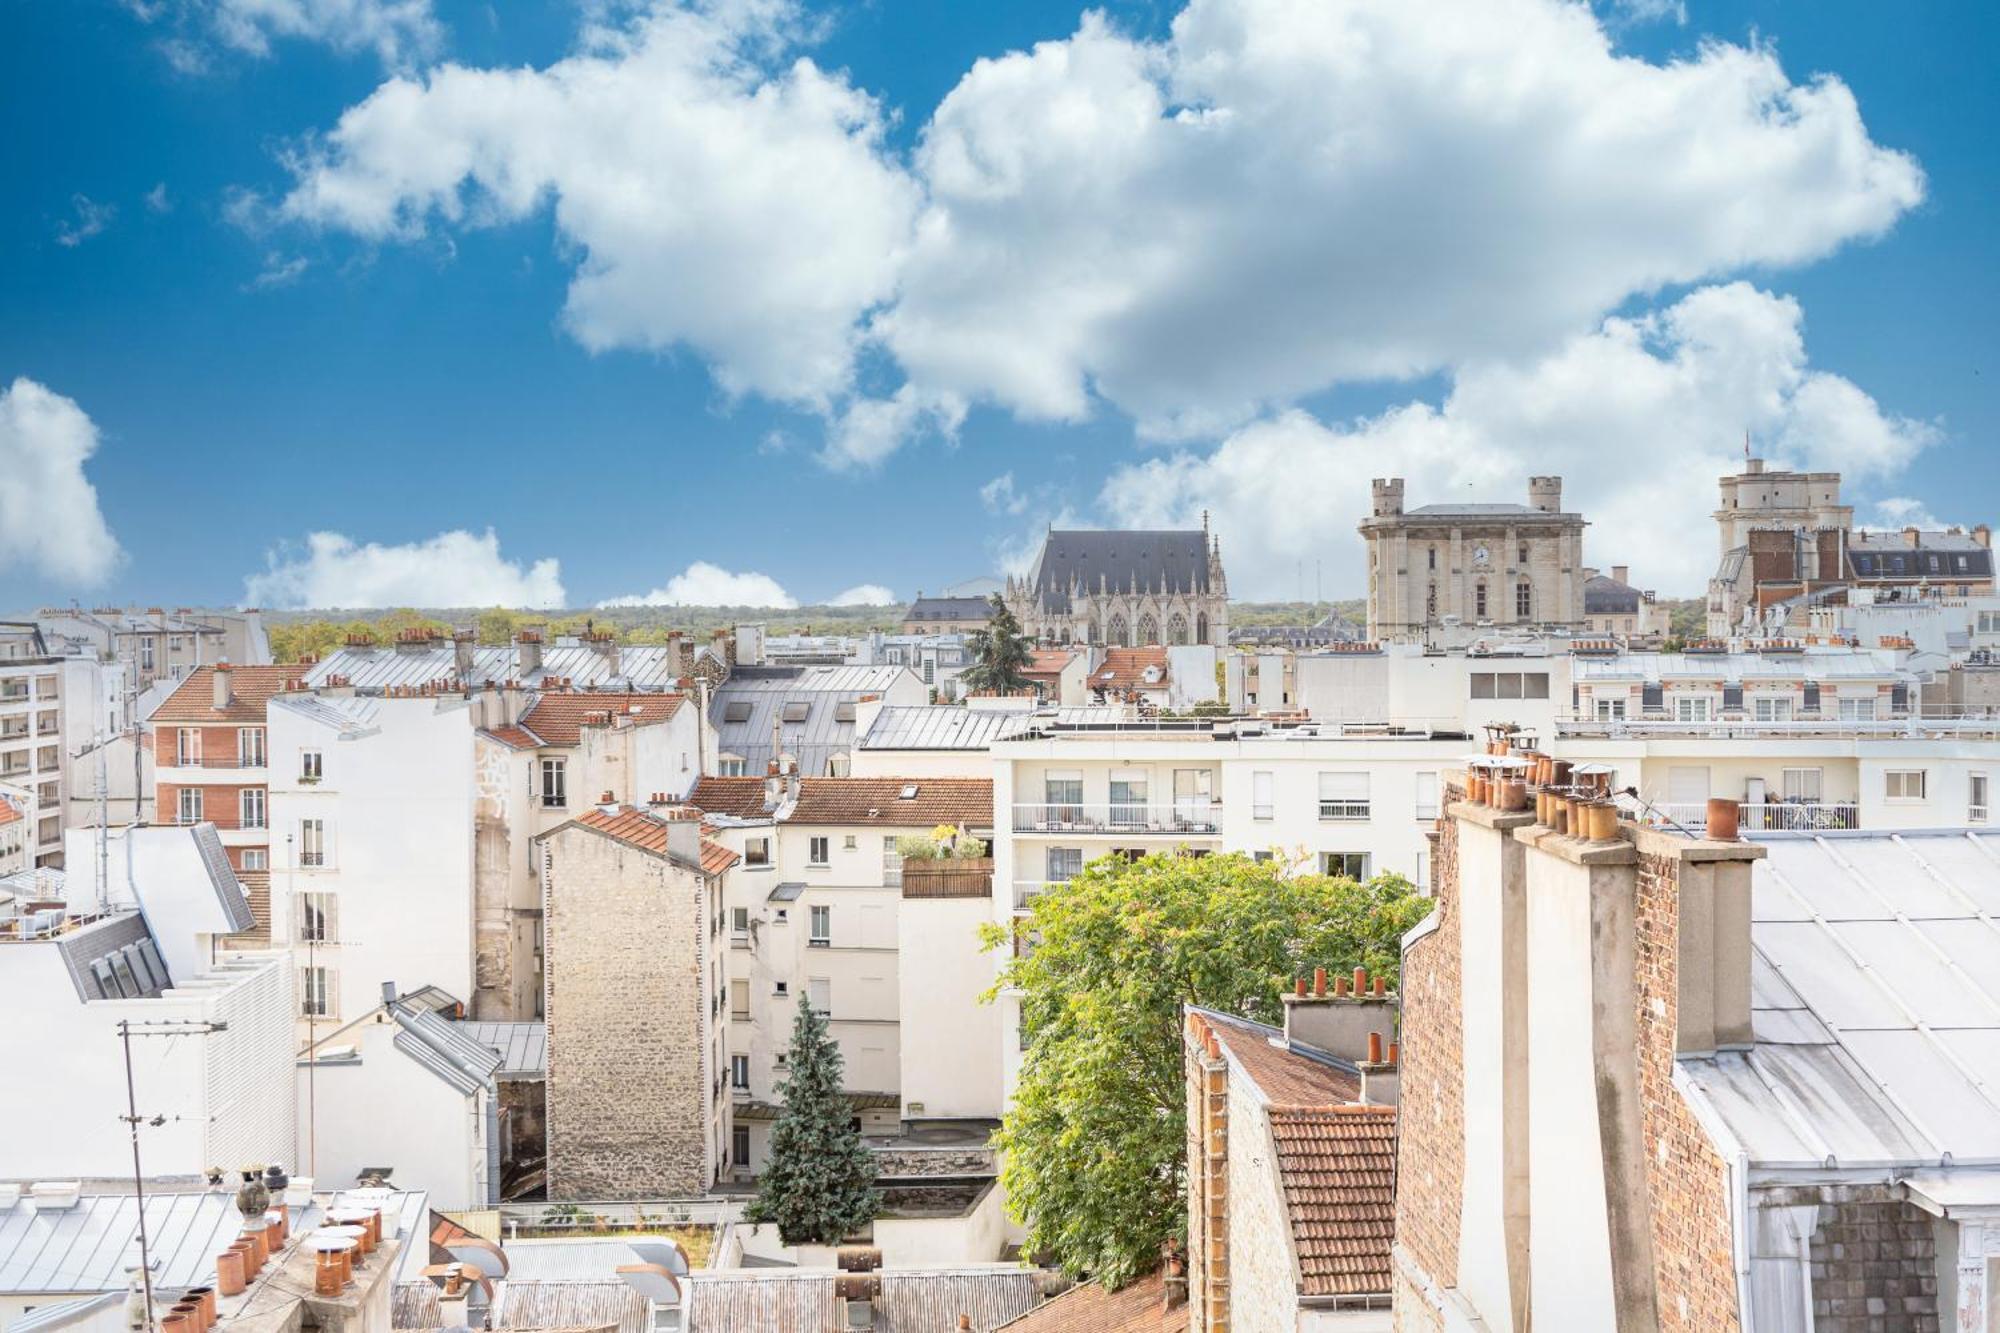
666, 1253
652, 1281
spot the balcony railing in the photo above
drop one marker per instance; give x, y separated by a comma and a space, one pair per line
955, 878
225, 761
1766, 816
1660, 725
1187, 817
1025, 891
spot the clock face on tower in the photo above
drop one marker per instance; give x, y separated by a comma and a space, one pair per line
1479, 555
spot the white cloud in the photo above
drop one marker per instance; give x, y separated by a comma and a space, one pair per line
49, 520
868, 430
1647, 11
714, 197
1001, 497
157, 199
1639, 418
865, 594
1286, 194
278, 271
91, 218
1902, 511
398, 32
454, 568
703, 584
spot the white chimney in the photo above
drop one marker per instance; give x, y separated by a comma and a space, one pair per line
224, 696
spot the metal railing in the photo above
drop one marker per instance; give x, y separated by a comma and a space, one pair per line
1913, 728
225, 761
1186, 817
1766, 816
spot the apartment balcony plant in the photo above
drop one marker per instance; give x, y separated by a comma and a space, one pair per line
947, 863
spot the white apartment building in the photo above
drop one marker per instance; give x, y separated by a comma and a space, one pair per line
817, 909
158, 645
1521, 681
31, 735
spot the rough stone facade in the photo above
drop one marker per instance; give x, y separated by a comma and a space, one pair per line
905, 1163
494, 990
1208, 1187
632, 1099
1263, 1278
1430, 1155
1687, 1183
1874, 1264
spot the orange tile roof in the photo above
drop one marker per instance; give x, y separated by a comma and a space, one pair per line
1125, 668
1338, 1165
558, 718
875, 801
517, 738
9, 812
1048, 661
1137, 1307
648, 832
1285, 1077
251, 687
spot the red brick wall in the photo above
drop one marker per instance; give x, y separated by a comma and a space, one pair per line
220, 804
1430, 1154
1687, 1192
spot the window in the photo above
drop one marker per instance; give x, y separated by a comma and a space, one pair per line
843, 710
554, 796
1524, 556
1802, 784
1858, 710
1262, 805
250, 807
819, 990
739, 1067
312, 842
731, 767
1352, 865
311, 766
1479, 600
313, 918
1905, 784
1732, 698
1523, 599
736, 710
739, 921
781, 915
255, 858
1192, 793
1989, 622
1432, 555
796, 710
250, 747
781, 989
847, 844
1343, 796
821, 929
187, 807
1653, 697
739, 998
146, 654
739, 1145
1128, 796
315, 992
1510, 684
1431, 602
1423, 870
1064, 791
1771, 708
892, 863
817, 851
1975, 798
187, 747
1610, 710
1064, 864
1811, 701
1691, 710
756, 851
1427, 796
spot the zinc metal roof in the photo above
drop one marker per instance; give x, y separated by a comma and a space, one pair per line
763, 1301
523, 1047
822, 734
1152, 561
350, 715
1875, 1003
62, 1314
941, 727
642, 667
566, 1259
438, 1045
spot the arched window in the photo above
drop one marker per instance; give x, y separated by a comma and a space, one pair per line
1201, 627
1479, 599
1177, 629
1114, 633
1090, 632
1149, 629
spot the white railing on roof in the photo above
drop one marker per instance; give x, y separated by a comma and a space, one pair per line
1196, 817
1762, 816
1910, 728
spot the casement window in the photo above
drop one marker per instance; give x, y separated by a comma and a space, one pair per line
250, 807
739, 921
1905, 784
146, 654
312, 766
1262, 803
1479, 601
555, 784
1510, 684
1989, 622
1343, 796
1352, 865
1523, 552
739, 1077
739, 1002
1427, 796
1524, 599
1803, 784
821, 928
1431, 599
1691, 710
892, 863
187, 747
316, 992
848, 843
739, 1143
1771, 708
1128, 795
1975, 798
1810, 703
756, 851
255, 858
1610, 710
820, 991
1063, 789
1653, 697
730, 767
1064, 864
312, 842
818, 851
313, 918
1858, 710
187, 805
250, 747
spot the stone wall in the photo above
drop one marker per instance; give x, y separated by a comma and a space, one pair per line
1874, 1264
492, 854
629, 1100
1687, 1183
933, 1163
1430, 1155
1207, 1177
1263, 1278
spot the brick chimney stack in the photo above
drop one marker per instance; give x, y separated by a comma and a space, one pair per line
527, 653
1340, 1017
463, 642
1621, 574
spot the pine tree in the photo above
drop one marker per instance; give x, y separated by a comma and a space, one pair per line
817, 1184
999, 653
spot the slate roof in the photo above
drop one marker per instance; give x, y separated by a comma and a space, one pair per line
1606, 596
873, 801
557, 718
1937, 555
648, 832
1137, 1307
251, 688
949, 608
1338, 1168
1156, 561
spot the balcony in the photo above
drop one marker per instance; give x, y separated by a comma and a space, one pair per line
227, 761
1766, 816
1735, 728
1188, 818
1025, 891
948, 878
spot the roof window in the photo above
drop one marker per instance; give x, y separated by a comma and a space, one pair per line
908, 793
796, 710
736, 710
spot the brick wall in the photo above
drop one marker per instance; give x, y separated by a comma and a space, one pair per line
629, 1100
1874, 1264
1208, 1189
1686, 1180
220, 803
1430, 1155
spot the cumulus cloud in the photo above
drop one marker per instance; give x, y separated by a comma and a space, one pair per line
703, 584
1901, 511
1000, 496
157, 199
456, 568
49, 520
88, 220
714, 197
865, 594
868, 430
1639, 418
398, 32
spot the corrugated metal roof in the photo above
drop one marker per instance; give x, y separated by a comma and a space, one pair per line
820, 735
642, 666
927, 1300
62, 1314
412, 1305
523, 1047
598, 1303
1875, 1003
762, 1301
941, 727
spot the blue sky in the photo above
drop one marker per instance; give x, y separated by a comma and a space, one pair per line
256, 373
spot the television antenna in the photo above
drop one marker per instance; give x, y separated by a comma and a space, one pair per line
127, 1029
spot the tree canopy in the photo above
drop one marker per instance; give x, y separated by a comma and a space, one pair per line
1000, 654
817, 1185
1095, 1141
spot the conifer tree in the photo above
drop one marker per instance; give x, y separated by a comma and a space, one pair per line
1000, 653
817, 1185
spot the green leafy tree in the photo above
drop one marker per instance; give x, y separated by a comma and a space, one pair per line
1000, 653
817, 1184
1095, 1141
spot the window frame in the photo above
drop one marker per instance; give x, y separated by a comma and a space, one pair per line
819, 850
554, 794
1890, 783
819, 926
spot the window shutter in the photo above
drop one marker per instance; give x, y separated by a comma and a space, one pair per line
1343, 786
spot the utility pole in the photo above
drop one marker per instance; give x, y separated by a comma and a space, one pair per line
127, 1029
